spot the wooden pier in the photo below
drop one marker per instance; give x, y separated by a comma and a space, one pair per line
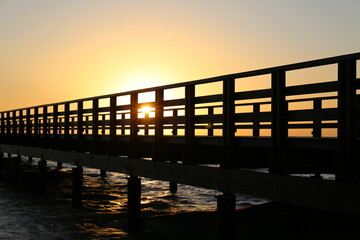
291, 130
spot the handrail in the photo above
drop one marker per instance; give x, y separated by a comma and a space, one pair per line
289, 67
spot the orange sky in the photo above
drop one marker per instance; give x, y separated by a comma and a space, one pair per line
53, 51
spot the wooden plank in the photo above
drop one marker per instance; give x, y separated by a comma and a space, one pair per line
209, 99
313, 115
123, 108
312, 88
251, 117
174, 102
263, 93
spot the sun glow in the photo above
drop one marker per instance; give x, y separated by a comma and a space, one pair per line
146, 109
146, 112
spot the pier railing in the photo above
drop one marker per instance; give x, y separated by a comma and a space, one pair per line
252, 115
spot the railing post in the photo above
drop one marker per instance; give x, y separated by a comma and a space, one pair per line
279, 121
86, 126
210, 127
317, 122
66, 121
228, 122
7, 122
256, 123
103, 125
189, 123
146, 125
45, 125
28, 123
80, 120
95, 119
113, 126
226, 203
36, 123
2, 115
347, 163
175, 126
6, 125
159, 125
123, 126
14, 124
21, 124
112, 118
55, 121
133, 124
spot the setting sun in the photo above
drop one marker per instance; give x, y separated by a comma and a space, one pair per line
146, 109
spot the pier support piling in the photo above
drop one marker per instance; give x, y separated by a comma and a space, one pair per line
41, 179
103, 173
77, 182
134, 203
59, 165
173, 187
226, 221
16, 170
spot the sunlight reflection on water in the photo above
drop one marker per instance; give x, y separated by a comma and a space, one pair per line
104, 213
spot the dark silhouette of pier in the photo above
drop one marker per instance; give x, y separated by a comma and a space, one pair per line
184, 129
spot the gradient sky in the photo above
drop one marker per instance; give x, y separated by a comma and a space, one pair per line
52, 51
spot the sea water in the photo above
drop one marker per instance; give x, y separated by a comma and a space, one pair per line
24, 215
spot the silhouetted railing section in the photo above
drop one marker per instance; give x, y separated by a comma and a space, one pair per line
214, 112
